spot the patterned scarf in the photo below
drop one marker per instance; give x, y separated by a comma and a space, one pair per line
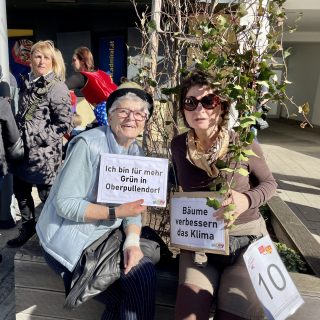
207, 160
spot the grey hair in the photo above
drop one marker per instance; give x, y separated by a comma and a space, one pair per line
131, 96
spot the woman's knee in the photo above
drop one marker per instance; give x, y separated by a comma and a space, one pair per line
149, 271
144, 272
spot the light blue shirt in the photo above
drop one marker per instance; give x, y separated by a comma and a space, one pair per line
62, 229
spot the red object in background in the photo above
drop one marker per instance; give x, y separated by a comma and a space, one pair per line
21, 51
99, 86
73, 101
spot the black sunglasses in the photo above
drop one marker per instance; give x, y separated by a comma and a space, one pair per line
210, 101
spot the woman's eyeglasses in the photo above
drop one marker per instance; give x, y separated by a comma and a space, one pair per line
125, 113
210, 101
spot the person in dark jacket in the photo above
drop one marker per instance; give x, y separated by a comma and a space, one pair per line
11, 147
44, 116
9, 139
4, 90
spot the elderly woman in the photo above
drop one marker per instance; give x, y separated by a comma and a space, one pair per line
72, 219
44, 116
194, 156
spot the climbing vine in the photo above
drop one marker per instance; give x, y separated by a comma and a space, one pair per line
239, 43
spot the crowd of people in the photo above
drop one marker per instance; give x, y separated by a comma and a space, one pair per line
72, 219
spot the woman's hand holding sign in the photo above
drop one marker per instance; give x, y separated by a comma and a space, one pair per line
232, 207
130, 209
101, 212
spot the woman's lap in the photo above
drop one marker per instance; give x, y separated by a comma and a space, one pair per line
235, 293
134, 291
132, 296
206, 277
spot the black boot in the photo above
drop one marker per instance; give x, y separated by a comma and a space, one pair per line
26, 231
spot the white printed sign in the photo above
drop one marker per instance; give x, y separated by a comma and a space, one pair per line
124, 178
193, 225
273, 285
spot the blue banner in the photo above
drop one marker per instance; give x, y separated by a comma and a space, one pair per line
112, 57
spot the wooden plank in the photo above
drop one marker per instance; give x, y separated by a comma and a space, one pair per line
45, 279
50, 304
289, 226
307, 284
30, 251
166, 289
162, 312
26, 316
39, 304
40, 291
309, 288
30, 262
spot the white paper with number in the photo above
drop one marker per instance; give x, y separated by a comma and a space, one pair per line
273, 285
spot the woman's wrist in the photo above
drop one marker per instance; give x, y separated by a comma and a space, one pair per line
132, 240
112, 213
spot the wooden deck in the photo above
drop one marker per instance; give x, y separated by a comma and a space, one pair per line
39, 292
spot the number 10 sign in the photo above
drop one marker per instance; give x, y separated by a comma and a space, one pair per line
271, 280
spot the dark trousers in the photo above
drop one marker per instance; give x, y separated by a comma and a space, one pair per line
23, 193
132, 297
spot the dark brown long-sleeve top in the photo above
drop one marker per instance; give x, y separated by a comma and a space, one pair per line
259, 185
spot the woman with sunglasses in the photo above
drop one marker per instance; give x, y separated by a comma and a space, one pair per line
72, 219
194, 155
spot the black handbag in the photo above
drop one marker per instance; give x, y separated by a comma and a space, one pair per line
236, 246
99, 266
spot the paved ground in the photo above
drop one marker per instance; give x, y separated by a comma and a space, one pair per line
7, 305
293, 155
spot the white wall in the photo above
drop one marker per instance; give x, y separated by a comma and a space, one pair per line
304, 71
316, 106
298, 4
4, 56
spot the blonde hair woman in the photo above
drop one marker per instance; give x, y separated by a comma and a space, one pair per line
49, 51
44, 116
61, 67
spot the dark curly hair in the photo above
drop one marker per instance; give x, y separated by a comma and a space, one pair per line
201, 78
